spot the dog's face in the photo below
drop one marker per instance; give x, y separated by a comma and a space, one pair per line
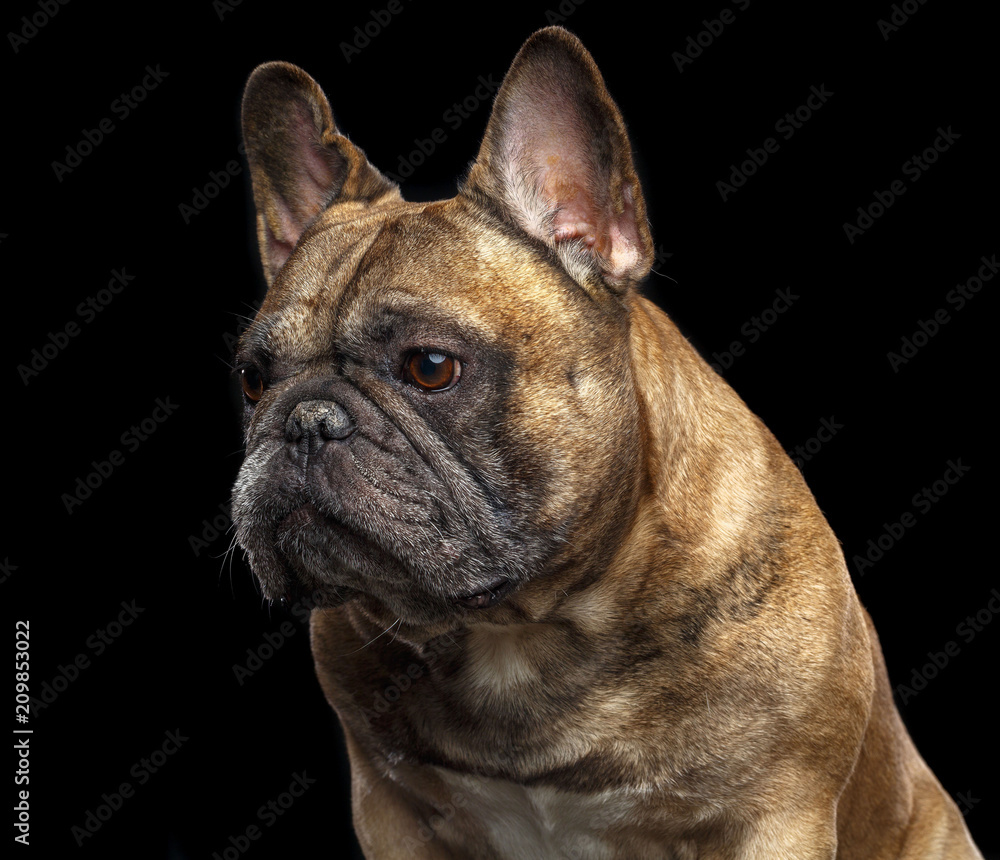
439, 398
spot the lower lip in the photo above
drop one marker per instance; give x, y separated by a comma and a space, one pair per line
487, 597
307, 515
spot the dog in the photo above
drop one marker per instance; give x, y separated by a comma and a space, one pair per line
572, 599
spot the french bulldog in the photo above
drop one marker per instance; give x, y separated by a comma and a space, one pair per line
572, 599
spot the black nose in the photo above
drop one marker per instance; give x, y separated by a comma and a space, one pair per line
316, 422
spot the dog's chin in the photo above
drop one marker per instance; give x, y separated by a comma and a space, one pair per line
316, 561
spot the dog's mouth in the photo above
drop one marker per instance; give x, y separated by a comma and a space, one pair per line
488, 597
340, 562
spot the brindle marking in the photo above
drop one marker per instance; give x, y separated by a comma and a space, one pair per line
668, 658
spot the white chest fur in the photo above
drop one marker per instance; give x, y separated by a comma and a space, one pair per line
539, 822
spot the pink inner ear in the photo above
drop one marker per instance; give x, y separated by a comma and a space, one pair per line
304, 190
564, 166
313, 171
576, 214
562, 182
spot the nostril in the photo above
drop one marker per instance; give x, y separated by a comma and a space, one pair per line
335, 423
293, 429
318, 420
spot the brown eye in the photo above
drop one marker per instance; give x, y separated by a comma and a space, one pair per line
432, 371
253, 383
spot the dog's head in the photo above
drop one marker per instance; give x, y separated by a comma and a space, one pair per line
439, 397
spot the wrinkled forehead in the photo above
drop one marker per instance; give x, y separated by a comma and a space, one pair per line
437, 262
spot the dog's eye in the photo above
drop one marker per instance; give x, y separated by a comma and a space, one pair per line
432, 371
253, 383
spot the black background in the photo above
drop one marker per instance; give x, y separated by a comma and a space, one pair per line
165, 336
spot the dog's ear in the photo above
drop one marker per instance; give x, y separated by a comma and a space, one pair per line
299, 162
556, 159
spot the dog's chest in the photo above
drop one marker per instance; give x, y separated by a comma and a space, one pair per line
542, 822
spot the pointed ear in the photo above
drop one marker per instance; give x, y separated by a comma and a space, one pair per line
556, 159
299, 162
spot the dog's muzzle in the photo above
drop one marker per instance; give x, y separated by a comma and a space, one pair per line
313, 423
